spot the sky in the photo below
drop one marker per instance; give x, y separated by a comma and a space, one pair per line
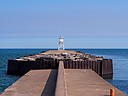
82, 23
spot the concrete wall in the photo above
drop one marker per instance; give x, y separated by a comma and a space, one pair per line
16, 67
103, 67
20, 67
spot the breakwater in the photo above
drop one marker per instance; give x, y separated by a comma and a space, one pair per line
72, 60
61, 82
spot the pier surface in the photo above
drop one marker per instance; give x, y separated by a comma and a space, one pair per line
60, 52
34, 83
61, 82
87, 83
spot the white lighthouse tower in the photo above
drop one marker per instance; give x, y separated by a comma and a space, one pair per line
61, 43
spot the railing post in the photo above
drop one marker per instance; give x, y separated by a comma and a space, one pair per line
111, 92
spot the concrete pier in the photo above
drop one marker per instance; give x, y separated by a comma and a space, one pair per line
61, 73
34, 83
61, 82
87, 83
72, 60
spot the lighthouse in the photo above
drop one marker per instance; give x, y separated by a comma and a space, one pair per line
61, 43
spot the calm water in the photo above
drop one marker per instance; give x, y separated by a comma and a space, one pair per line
119, 57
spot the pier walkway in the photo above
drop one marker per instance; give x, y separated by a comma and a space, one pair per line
34, 83
87, 83
61, 82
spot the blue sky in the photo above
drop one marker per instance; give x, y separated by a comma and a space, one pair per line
82, 23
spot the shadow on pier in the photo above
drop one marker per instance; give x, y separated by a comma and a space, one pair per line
50, 86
